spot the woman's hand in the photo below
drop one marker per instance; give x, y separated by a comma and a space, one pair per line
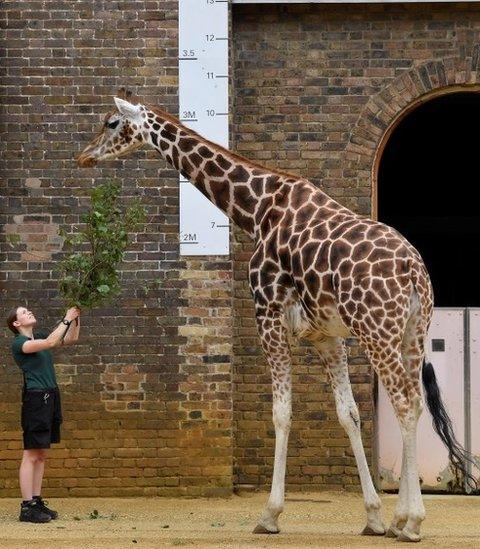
72, 314
73, 332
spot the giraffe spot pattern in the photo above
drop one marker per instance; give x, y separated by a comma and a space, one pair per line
212, 170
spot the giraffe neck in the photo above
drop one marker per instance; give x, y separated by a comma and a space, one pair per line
242, 190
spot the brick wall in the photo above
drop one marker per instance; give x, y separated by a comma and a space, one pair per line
147, 391
315, 88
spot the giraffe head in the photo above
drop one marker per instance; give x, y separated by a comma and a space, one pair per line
120, 133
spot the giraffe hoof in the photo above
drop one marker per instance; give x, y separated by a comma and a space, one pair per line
260, 529
393, 532
406, 535
369, 531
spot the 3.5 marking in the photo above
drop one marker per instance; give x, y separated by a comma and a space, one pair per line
188, 55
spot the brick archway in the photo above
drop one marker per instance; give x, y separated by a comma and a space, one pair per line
385, 110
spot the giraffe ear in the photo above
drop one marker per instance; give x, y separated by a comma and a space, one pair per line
126, 108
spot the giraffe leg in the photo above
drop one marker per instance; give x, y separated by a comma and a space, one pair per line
412, 358
332, 351
416, 510
275, 344
401, 509
406, 398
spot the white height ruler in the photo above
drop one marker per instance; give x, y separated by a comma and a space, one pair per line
203, 72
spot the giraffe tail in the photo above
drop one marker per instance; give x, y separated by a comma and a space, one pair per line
458, 456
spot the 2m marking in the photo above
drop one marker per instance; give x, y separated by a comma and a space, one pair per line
189, 238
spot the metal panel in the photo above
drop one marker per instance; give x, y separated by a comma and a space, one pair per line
474, 315
203, 98
446, 332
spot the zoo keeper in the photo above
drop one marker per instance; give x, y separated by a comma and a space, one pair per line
41, 409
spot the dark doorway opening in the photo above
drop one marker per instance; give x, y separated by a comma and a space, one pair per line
429, 190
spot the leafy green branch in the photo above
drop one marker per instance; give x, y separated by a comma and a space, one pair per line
88, 273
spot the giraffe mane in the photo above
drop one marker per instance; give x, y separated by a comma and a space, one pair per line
219, 148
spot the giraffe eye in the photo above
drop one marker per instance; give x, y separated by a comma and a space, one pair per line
113, 125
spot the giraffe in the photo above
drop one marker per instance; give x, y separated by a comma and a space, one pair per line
319, 272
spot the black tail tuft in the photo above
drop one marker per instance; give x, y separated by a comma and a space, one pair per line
442, 424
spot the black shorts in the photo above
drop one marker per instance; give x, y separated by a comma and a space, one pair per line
41, 418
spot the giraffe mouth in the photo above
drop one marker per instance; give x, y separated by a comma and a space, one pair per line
85, 161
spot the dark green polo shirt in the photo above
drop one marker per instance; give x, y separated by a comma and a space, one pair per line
37, 367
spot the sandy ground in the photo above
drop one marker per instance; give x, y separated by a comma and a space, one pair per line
310, 520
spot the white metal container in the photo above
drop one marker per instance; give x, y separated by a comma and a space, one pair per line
445, 350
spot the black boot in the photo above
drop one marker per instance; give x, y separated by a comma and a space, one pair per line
43, 507
30, 511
